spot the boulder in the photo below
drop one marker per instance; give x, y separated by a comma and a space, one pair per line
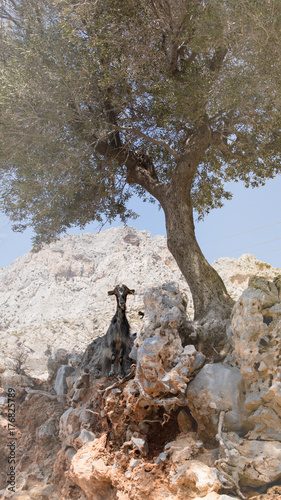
47, 432
218, 387
72, 422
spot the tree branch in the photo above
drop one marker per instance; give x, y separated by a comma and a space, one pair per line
220, 141
215, 63
140, 168
6, 15
157, 142
195, 147
30, 392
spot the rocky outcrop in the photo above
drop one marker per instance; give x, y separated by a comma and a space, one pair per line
163, 365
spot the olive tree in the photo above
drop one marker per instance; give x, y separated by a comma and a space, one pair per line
166, 99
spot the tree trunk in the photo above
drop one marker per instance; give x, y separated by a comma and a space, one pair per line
212, 304
207, 288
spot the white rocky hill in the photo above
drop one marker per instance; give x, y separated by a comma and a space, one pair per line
57, 298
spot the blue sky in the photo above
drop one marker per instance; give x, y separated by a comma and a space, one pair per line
249, 223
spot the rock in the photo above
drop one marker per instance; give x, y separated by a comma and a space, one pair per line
196, 476
75, 359
3, 402
185, 447
60, 384
140, 444
161, 458
69, 454
71, 421
134, 463
47, 432
163, 365
256, 463
236, 272
255, 327
218, 387
91, 473
87, 436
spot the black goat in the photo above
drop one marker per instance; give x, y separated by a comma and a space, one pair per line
117, 340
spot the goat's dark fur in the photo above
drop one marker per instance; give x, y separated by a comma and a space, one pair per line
117, 339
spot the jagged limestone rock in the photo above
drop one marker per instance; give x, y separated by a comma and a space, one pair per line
163, 365
255, 327
47, 432
90, 472
72, 422
196, 476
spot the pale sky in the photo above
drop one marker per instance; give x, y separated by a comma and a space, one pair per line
249, 223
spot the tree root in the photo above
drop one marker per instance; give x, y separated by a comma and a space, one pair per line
119, 383
225, 461
31, 392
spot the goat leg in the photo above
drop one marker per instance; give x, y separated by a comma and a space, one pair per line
113, 357
122, 361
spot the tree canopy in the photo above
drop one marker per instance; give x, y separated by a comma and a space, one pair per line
166, 99
142, 75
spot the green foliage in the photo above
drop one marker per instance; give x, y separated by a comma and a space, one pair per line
137, 76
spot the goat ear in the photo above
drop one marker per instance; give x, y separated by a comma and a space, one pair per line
111, 292
132, 292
